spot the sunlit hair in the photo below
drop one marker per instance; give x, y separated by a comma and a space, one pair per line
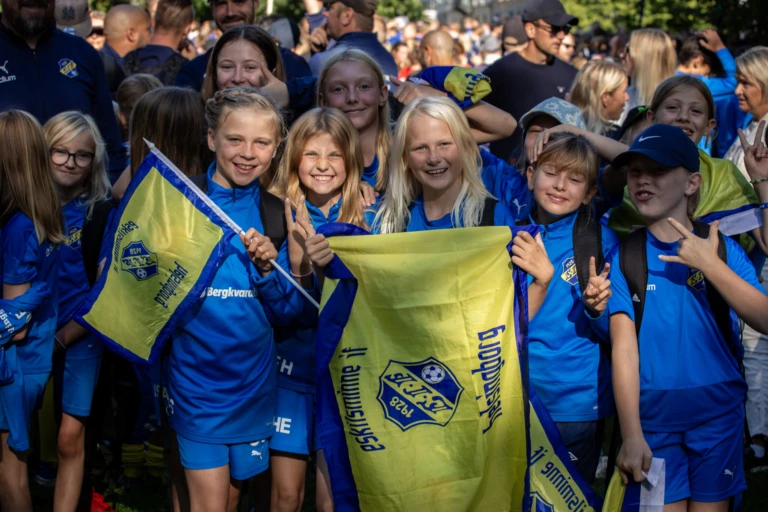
597, 78
314, 123
653, 59
674, 84
258, 37
225, 102
172, 118
26, 183
567, 152
383, 133
403, 188
753, 65
64, 127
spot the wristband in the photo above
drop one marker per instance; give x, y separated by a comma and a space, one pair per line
58, 341
763, 206
758, 180
300, 275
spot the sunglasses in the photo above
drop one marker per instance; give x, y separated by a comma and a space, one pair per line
96, 31
554, 29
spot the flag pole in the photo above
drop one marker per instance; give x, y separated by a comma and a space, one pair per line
231, 223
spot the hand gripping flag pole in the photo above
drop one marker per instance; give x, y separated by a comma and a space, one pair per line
232, 224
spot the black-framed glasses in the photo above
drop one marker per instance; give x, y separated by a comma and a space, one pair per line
554, 29
61, 156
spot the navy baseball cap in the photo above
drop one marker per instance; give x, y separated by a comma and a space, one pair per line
664, 144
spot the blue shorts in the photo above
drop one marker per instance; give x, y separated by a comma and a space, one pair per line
74, 382
705, 463
34, 388
245, 460
583, 440
293, 422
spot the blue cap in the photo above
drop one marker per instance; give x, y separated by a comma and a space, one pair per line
664, 144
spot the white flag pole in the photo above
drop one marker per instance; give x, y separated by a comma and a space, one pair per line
231, 223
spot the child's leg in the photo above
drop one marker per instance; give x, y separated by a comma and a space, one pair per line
288, 475
14, 483
583, 441
323, 494
718, 506
678, 506
208, 488
71, 453
179, 489
755, 364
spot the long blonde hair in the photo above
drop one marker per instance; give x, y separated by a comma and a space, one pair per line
383, 132
64, 127
596, 78
316, 122
403, 187
653, 59
26, 183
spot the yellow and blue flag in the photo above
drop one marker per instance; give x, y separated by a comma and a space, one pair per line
423, 398
165, 245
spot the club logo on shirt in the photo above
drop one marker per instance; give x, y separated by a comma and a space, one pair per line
420, 393
139, 261
68, 68
74, 235
6, 76
696, 280
569, 274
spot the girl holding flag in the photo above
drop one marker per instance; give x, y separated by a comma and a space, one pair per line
318, 176
679, 391
222, 376
32, 228
78, 162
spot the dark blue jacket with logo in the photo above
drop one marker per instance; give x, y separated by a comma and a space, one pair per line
62, 73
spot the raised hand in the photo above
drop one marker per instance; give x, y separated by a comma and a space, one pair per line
710, 40
260, 249
598, 290
318, 248
755, 154
408, 91
695, 252
297, 236
531, 256
273, 88
544, 136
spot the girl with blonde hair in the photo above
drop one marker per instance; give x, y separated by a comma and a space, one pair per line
78, 165
31, 224
650, 57
600, 92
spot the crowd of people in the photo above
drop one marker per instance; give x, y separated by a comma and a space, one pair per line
640, 156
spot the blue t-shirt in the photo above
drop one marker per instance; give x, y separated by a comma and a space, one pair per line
506, 184
687, 373
419, 221
568, 367
223, 378
24, 261
370, 172
73, 281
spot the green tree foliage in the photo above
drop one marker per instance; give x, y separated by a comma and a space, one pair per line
414, 9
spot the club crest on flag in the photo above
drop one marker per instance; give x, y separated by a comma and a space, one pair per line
138, 261
539, 504
420, 393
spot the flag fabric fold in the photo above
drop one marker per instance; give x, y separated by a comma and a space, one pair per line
166, 243
423, 394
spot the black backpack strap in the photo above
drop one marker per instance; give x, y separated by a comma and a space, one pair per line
92, 236
272, 211
201, 180
634, 266
587, 242
720, 309
488, 218
171, 67
131, 64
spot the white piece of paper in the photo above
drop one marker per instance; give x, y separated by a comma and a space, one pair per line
653, 487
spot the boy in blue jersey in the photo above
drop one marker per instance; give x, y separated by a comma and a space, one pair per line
679, 392
568, 366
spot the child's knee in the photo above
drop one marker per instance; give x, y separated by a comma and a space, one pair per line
289, 498
71, 442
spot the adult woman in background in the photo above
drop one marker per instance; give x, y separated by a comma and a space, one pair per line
600, 92
650, 58
752, 91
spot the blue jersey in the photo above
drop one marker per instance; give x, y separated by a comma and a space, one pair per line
567, 365
370, 172
73, 281
63, 72
296, 347
688, 375
24, 261
506, 184
419, 222
223, 379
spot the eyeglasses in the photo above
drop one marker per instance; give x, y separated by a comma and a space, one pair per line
61, 156
554, 29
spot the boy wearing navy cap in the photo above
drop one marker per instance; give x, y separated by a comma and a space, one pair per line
678, 288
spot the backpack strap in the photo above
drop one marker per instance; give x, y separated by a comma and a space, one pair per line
131, 64
201, 181
634, 266
171, 67
272, 211
92, 236
488, 218
720, 309
587, 242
